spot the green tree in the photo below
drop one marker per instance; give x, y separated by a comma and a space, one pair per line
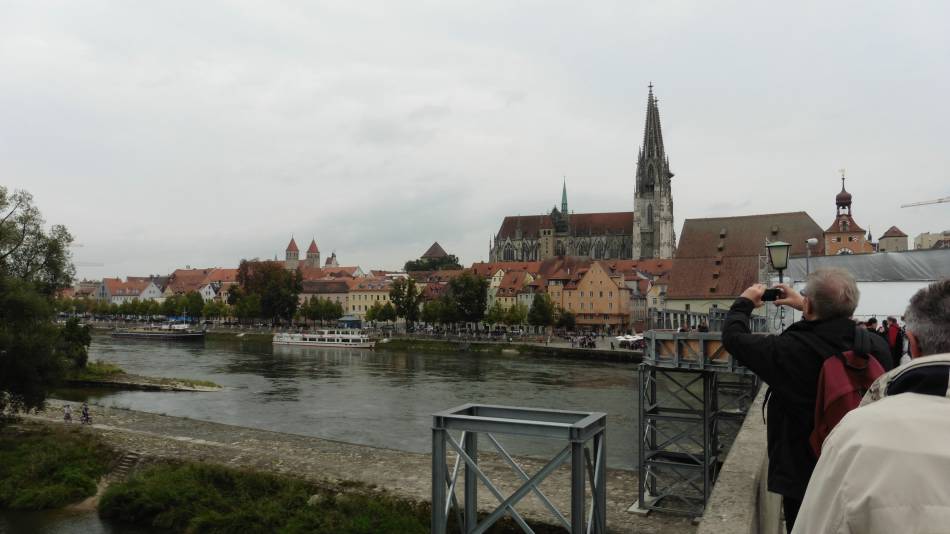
277, 288
445, 263
515, 315
406, 297
566, 320
193, 304
388, 312
469, 294
496, 314
34, 266
74, 341
374, 311
542, 310
248, 307
173, 305
431, 312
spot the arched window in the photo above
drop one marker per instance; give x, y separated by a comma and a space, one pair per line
559, 248
650, 215
509, 253
599, 250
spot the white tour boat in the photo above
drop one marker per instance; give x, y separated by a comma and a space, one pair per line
326, 338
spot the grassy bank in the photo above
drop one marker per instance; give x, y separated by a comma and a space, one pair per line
192, 497
43, 467
111, 375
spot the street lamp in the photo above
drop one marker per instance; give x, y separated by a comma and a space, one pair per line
778, 257
810, 242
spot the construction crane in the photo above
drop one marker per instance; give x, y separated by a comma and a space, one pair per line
926, 202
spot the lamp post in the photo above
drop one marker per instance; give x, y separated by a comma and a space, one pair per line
810, 242
778, 257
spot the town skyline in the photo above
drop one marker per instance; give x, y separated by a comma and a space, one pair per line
199, 145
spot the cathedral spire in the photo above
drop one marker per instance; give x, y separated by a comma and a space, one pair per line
564, 197
652, 133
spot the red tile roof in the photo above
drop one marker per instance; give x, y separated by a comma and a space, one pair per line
746, 235
718, 258
313, 247
292, 247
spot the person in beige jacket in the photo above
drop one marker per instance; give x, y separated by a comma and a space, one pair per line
886, 467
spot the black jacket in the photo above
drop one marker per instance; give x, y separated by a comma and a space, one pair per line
790, 363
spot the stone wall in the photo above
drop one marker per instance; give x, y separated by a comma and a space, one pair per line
740, 503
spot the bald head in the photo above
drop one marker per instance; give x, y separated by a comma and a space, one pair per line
832, 293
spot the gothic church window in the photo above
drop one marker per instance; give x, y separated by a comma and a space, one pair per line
509, 254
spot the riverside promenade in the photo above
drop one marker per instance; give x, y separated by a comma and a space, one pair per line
404, 474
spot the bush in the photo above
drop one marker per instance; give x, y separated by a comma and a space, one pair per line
205, 498
49, 468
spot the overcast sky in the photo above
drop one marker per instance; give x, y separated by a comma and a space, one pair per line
166, 134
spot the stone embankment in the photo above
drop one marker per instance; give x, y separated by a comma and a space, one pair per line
158, 437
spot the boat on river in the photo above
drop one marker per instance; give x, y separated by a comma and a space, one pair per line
174, 332
326, 338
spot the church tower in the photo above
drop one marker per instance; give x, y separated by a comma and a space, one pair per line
653, 235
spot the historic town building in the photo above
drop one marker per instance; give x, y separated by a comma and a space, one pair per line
646, 232
844, 236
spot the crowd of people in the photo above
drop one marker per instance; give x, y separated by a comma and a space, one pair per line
856, 412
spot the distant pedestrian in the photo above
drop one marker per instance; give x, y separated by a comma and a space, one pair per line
703, 327
67, 414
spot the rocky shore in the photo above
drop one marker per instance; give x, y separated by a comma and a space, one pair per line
158, 437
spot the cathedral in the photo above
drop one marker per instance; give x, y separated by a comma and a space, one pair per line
645, 232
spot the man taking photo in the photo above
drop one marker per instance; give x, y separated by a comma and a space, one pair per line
790, 364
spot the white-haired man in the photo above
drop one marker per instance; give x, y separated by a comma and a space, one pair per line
790, 363
885, 468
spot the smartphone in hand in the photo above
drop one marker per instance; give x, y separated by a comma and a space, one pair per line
771, 295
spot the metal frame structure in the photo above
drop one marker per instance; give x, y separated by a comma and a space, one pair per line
689, 386
675, 319
587, 463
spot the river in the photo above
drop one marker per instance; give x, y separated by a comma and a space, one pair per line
377, 398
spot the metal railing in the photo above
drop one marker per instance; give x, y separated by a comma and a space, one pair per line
587, 463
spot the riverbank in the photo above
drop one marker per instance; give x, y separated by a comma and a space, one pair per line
414, 344
528, 349
406, 475
101, 374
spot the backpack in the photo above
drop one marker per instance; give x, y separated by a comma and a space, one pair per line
843, 380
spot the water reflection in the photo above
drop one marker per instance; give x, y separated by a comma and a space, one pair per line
369, 397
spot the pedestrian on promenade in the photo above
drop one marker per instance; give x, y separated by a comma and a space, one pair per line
67, 414
885, 467
790, 363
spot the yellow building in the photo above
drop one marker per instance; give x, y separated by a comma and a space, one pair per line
364, 292
596, 298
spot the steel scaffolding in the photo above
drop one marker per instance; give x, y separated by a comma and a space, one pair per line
690, 388
588, 463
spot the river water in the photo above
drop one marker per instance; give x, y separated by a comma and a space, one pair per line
378, 398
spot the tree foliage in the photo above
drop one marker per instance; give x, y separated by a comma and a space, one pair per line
405, 297
468, 296
275, 287
322, 310
34, 266
446, 263
542, 310
496, 314
566, 320
517, 314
